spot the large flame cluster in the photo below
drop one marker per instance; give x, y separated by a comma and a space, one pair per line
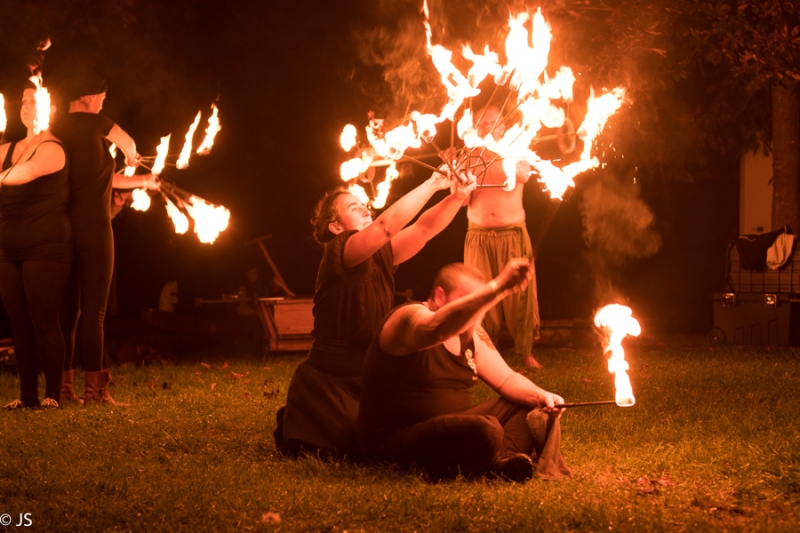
617, 322
209, 220
539, 103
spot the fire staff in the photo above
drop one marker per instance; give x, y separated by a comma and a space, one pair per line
416, 408
87, 135
35, 253
354, 290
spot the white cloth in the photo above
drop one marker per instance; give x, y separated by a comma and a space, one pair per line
780, 251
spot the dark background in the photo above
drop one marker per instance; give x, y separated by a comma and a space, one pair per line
287, 78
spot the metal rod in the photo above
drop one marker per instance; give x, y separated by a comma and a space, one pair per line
584, 404
447, 162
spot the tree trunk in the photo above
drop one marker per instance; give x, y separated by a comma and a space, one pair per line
786, 156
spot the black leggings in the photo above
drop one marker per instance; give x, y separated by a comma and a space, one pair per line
31, 292
86, 296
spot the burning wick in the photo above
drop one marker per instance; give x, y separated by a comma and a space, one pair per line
211, 131
161, 155
348, 138
3, 121
183, 159
141, 200
42, 96
617, 322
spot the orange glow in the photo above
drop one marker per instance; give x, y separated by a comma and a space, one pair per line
617, 323
183, 158
211, 131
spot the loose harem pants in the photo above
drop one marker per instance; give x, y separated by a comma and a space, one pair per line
489, 250
469, 443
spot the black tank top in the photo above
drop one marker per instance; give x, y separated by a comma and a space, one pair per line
399, 391
34, 221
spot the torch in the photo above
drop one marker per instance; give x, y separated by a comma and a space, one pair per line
616, 322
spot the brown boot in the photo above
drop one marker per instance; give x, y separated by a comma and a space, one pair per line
68, 394
97, 389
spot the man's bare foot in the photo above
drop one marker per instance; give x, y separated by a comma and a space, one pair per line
530, 361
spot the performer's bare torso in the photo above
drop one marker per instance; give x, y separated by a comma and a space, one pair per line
494, 207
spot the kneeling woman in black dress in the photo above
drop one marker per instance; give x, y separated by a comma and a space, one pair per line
355, 287
35, 254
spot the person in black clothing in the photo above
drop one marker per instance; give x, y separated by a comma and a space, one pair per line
355, 288
87, 135
35, 254
416, 408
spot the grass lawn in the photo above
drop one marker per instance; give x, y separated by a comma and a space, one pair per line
713, 443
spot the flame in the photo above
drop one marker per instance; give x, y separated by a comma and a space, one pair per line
183, 158
3, 120
161, 155
211, 131
209, 220
129, 171
179, 220
383, 187
141, 200
359, 192
42, 96
353, 168
349, 138
113, 150
617, 322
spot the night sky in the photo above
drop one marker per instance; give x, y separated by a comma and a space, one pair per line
288, 77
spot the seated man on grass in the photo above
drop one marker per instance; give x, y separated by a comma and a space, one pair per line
416, 408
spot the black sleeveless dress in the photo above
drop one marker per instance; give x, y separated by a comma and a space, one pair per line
34, 218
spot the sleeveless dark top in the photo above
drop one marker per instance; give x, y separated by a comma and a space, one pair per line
349, 302
34, 222
400, 391
90, 167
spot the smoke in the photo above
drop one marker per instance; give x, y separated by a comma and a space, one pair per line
395, 46
617, 227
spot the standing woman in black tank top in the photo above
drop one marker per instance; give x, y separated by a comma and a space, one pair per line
35, 254
87, 135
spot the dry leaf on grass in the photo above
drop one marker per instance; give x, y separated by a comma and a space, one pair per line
213, 386
206, 365
271, 518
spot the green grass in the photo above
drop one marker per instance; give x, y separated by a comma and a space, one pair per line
713, 443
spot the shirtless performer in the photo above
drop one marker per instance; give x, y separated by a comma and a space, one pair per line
496, 234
